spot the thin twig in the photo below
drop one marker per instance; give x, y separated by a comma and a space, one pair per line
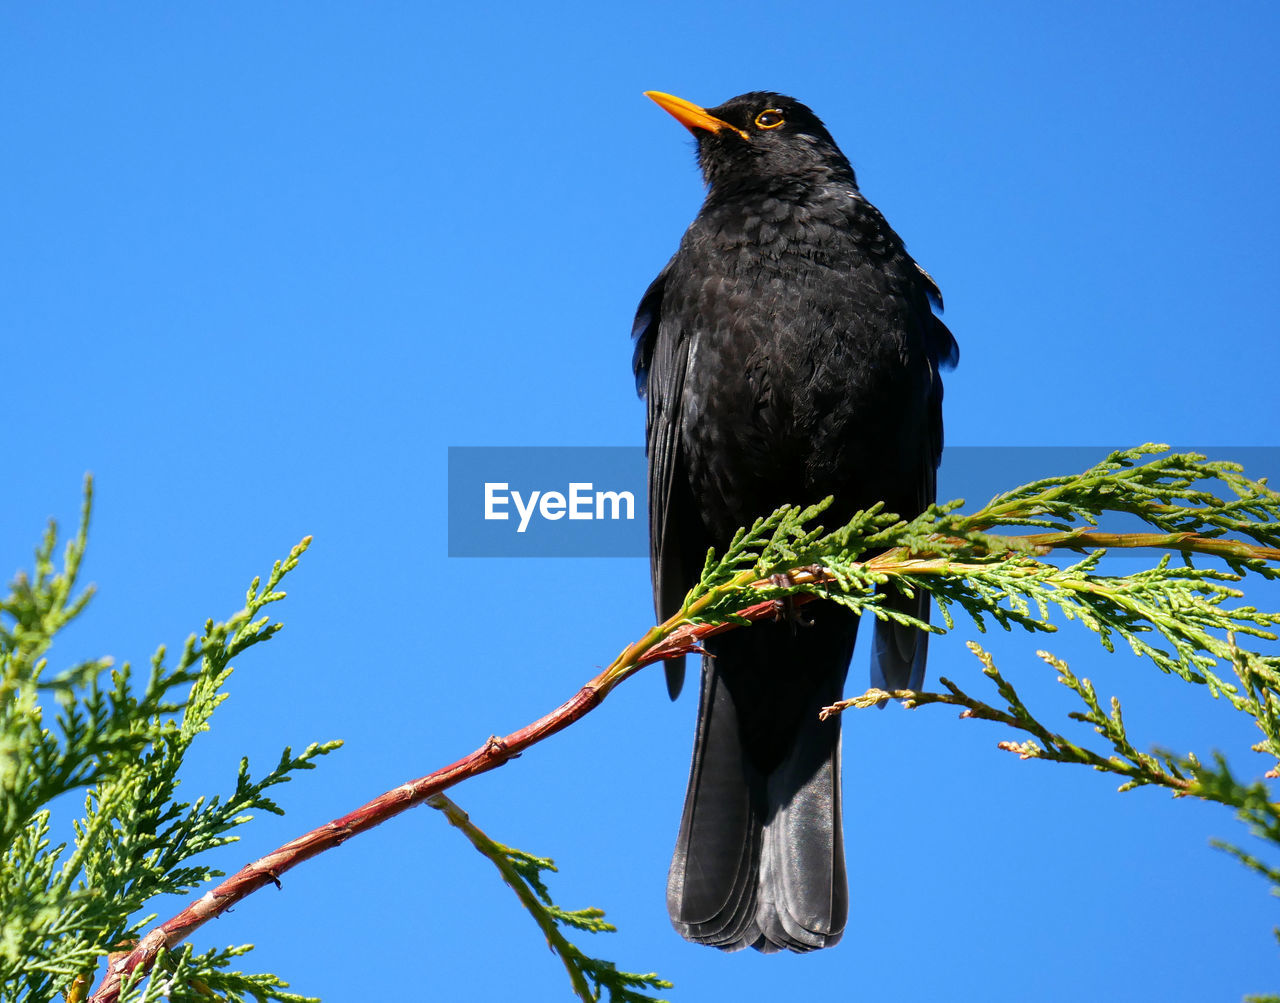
496, 854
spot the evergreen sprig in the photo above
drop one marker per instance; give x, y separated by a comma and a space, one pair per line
1173, 614
1184, 775
1184, 618
122, 740
592, 979
183, 976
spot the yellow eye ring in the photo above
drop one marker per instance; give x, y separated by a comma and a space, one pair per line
770, 118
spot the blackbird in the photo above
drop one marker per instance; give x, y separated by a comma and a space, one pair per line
787, 352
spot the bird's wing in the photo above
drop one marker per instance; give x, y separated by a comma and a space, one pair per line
660, 362
899, 652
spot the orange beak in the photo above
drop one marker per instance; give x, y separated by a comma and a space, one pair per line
690, 115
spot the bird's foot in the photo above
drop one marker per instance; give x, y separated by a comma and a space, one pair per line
787, 607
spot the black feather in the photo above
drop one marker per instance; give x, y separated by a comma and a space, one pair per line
788, 351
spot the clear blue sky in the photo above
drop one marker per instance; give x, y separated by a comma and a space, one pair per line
261, 265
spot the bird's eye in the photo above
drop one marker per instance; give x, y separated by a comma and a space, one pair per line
771, 118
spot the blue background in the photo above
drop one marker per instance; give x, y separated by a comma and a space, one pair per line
262, 265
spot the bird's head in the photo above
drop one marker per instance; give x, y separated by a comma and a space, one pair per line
757, 138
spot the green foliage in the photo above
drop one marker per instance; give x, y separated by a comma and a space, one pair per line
121, 739
186, 976
1179, 616
1175, 615
1185, 776
959, 562
592, 979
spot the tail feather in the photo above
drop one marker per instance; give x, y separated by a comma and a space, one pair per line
899, 651
759, 861
804, 887
709, 888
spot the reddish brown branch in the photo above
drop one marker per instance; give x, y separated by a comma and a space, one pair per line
494, 753
267, 870
666, 641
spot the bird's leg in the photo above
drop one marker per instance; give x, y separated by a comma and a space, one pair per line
787, 603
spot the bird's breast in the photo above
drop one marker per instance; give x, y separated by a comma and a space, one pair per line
804, 361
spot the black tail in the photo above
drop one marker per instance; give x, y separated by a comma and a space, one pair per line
759, 861
899, 652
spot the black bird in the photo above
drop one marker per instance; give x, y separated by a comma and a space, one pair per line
788, 351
